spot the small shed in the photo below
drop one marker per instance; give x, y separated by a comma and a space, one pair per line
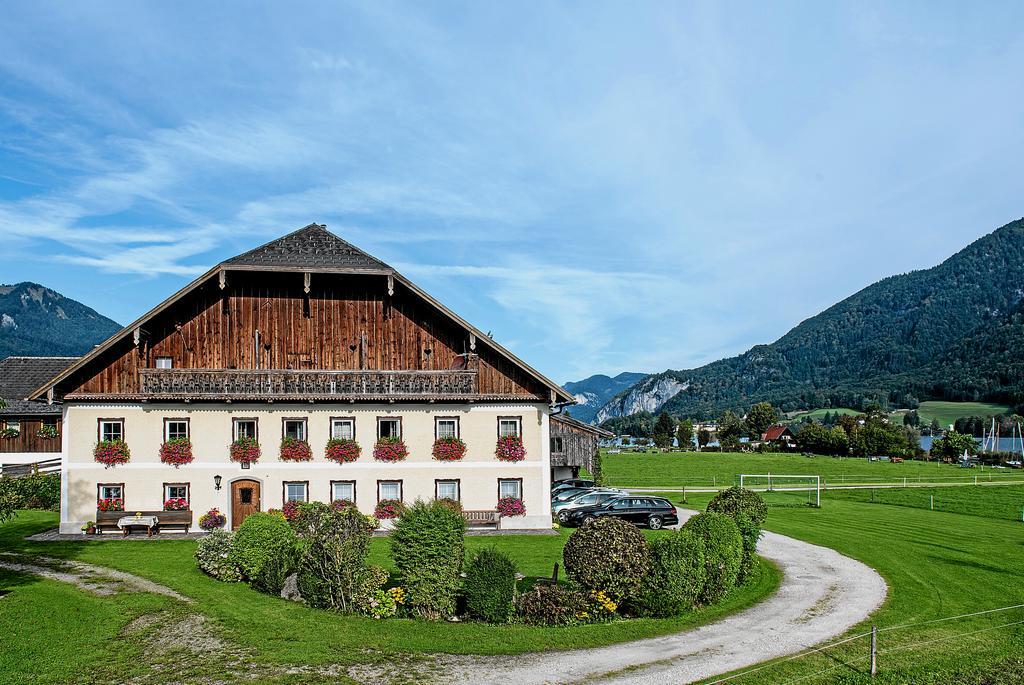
575, 445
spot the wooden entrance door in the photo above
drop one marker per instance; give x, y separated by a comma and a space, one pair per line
245, 499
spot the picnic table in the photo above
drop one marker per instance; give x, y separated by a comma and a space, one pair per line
125, 523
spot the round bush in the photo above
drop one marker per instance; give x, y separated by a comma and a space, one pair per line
265, 549
428, 548
552, 605
676, 577
490, 586
213, 552
723, 552
749, 511
607, 554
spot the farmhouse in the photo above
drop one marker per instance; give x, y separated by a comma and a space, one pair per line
778, 435
279, 350
30, 432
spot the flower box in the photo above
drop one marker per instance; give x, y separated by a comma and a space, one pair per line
449, 449
47, 431
388, 509
295, 450
342, 450
176, 452
245, 450
510, 448
511, 506
10, 433
112, 452
176, 504
390, 449
110, 504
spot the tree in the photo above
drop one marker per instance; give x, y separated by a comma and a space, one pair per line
759, 418
684, 434
730, 428
703, 438
953, 445
664, 430
935, 427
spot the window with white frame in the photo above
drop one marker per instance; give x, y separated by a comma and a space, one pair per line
13, 424
297, 491
389, 428
175, 491
343, 428
164, 363
446, 489
295, 428
245, 428
446, 427
389, 489
175, 428
111, 429
510, 425
510, 487
343, 489
110, 491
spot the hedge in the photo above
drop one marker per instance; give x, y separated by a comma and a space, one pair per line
749, 511
490, 586
428, 548
723, 553
676, 576
265, 549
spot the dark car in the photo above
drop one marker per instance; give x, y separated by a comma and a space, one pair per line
572, 483
653, 512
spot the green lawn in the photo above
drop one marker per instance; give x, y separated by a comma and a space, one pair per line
948, 412
819, 414
279, 632
1004, 503
705, 469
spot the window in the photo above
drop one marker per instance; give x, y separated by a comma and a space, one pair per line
294, 428
510, 487
296, 491
446, 427
111, 429
13, 424
343, 428
110, 491
509, 425
245, 495
556, 444
389, 489
164, 363
175, 428
446, 489
245, 428
175, 491
343, 489
389, 427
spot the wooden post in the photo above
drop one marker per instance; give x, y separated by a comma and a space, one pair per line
554, 576
874, 650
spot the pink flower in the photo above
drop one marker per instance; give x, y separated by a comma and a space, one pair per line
245, 450
511, 506
176, 452
390, 449
449, 449
388, 509
295, 450
342, 450
510, 448
111, 452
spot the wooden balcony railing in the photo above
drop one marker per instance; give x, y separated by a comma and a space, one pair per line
302, 384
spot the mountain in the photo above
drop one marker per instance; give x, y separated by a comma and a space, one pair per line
591, 393
36, 321
919, 335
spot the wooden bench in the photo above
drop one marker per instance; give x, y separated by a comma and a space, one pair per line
481, 517
176, 519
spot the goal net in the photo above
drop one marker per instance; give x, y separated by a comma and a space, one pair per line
784, 490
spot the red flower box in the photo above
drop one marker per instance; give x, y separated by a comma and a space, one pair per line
342, 450
449, 449
245, 450
511, 506
176, 504
295, 450
112, 452
116, 504
388, 509
390, 449
176, 452
290, 510
510, 448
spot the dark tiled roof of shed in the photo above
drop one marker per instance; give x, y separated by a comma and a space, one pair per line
19, 376
312, 247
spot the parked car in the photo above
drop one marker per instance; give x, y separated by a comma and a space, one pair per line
572, 483
568, 493
1014, 464
653, 512
583, 499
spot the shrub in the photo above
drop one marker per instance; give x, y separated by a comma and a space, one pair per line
290, 510
265, 550
428, 547
34, 491
390, 449
245, 450
112, 452
212, 556
510, 448
388, 509
449, 449
293, 449
490, 586
212, 520
723, 553
332, 561
607, 554
371, 599
342, 450
511, 506
176, 452
675, 578
749, 511
552, 605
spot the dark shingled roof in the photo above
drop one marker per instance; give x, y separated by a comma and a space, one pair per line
312, 247
19, 376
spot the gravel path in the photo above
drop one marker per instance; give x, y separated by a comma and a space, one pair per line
822, 594
98, 580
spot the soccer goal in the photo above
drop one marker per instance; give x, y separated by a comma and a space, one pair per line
785, 489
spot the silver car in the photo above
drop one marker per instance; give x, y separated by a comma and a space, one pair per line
583, 499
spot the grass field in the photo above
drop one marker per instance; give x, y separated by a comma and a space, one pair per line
50, 631
948, 412
713, 469
819, 414
1004, 503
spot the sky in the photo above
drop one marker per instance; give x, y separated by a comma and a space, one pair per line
604, 187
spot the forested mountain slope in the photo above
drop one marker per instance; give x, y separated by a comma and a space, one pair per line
37, 321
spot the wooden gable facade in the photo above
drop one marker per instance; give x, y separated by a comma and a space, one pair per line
307, 316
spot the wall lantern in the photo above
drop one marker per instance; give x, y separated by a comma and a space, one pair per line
216, 482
